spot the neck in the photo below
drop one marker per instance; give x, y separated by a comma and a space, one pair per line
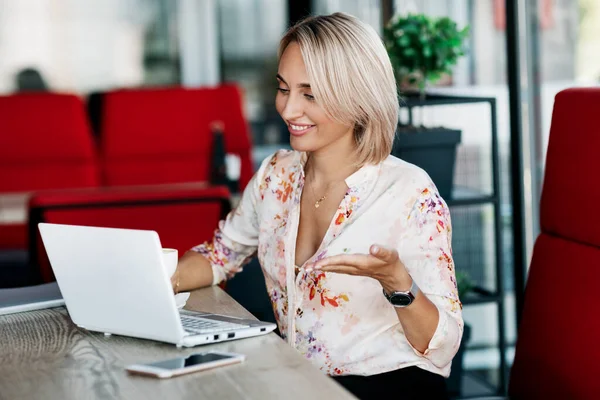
333, 162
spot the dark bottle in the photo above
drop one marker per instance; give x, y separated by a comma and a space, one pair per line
218, 169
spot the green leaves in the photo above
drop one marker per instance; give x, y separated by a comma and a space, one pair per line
464, 283
422, 48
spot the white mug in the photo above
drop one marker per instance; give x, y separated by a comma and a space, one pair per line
170, 258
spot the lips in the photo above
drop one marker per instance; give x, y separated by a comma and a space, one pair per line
299, 129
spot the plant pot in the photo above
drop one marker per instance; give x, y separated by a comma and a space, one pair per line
433, 149
454, 381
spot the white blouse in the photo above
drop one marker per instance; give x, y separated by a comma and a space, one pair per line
343, 324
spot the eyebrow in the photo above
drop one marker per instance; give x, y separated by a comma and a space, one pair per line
300, 85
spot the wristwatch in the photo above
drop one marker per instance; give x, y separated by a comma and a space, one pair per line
403, 299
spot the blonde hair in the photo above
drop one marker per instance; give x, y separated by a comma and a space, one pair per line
351, 77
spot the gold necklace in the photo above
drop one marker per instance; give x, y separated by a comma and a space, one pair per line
318, 202
322, 198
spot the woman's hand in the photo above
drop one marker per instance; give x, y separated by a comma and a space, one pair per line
175, 280
420, 319
382, 264
193, 271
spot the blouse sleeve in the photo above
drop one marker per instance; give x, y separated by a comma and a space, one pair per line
236, 239
426, 251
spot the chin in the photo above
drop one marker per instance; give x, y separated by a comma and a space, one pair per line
302, 144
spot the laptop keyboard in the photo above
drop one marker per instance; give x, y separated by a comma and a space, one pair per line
197, 325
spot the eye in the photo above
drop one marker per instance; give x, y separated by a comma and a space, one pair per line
310, 97
283, 91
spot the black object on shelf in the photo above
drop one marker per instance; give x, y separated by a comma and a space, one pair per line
218, 165
433, 149
467, 197
480, 296
95, 108
218, 169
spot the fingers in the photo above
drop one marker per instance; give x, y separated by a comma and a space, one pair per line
379, 256
341, 269
385, 254
353, 260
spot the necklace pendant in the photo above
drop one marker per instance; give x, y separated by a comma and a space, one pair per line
318, 202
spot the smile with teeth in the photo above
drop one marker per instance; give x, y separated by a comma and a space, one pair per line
300, 128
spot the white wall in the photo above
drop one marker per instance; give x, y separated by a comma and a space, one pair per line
78, 45
199, 42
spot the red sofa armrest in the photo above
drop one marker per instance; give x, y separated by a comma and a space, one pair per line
183, 214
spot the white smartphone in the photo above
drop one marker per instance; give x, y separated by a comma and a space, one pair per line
185, 365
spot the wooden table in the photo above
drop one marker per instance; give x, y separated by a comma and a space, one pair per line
43, 355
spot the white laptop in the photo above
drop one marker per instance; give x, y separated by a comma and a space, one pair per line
16, 300
113, 281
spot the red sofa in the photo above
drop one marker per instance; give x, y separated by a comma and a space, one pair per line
148, 136
45, 143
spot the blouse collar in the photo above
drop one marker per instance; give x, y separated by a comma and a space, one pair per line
357, 179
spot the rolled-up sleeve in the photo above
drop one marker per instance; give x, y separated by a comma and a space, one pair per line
236, 239
426, 251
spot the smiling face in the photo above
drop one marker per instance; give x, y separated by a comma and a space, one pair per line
310, 128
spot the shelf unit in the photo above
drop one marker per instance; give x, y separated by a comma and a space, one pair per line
466, 197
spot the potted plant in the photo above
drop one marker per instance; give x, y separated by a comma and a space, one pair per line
453, 383
422, 49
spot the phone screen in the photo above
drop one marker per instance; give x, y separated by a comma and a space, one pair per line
194, 359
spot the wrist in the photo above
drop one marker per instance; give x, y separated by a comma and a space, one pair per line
175, 280
398, 280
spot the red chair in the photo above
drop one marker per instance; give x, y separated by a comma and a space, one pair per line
556, 354
184, 215
151, 136
45, 143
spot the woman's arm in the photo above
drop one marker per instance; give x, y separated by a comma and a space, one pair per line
419, 320
194, 271
426, 256
233, 244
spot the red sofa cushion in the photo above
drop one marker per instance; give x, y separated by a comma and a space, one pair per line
151, 136
45, 143
556, 356
13, 236
572, 168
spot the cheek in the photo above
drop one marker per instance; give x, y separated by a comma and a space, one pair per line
318, 116
279, 103
328, 126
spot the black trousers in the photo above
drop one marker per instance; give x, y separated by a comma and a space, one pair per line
404, 383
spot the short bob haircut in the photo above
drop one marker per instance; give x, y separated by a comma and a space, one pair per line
351, 77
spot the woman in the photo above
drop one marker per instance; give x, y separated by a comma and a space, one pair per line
354, 243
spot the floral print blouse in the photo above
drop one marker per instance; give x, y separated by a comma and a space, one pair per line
343, 324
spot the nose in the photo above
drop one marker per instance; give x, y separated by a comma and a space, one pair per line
292, 108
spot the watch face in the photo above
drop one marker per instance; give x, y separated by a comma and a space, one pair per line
400, 299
